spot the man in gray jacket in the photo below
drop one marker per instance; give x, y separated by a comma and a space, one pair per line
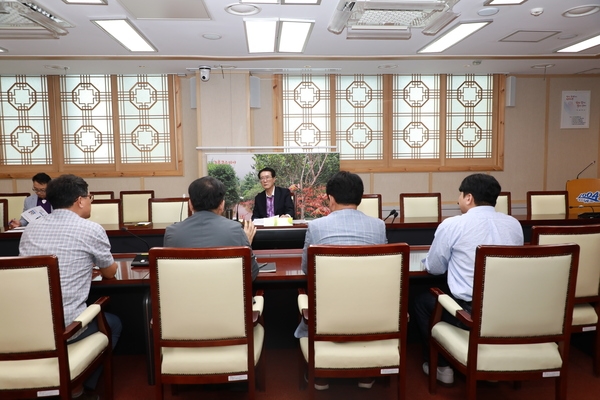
38, 198
207, 227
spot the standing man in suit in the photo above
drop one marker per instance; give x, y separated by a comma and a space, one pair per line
207, 227
38, 198
274, 201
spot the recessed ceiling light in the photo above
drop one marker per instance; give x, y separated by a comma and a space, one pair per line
387, 66
56, 67
503, 2
3, 50
566, 36
542, 66
581, 11
486, 12
212, 36
226, 66
242, 9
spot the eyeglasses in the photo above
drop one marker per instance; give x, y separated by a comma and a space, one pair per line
90, 196
266, 178
36, 190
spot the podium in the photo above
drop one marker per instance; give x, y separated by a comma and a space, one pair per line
584, 195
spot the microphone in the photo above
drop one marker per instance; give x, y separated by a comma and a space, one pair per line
140, 260
393, 212
395, 215
589, 165
181, 210
592, 214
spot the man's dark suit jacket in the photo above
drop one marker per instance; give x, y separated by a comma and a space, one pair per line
283, 203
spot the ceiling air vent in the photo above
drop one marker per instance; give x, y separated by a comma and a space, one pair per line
28, 20
391, 19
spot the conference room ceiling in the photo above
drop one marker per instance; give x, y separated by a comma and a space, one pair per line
515, 42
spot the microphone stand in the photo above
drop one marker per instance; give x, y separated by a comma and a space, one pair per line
140, 260
395, 215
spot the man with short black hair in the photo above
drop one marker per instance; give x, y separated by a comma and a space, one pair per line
38, 198
274, 201
207, 227
80, 245
453, 251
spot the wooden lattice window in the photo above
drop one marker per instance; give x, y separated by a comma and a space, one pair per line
109, 125
397, 122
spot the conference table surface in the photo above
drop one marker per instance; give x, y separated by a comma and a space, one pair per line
288, 269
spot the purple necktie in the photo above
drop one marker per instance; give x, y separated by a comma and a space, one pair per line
270, 208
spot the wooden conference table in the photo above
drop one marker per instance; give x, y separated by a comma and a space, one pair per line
414, 231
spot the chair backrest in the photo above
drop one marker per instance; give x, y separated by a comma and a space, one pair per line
549, 202
588, 239
420, 205
103, 195
168, 210
134, 205
4, 213
503, 203
106, 212
523, 294
30, 300
202, 296
341, 304
371, 205
15, 204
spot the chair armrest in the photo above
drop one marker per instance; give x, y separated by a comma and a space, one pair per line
258, 305
302, 303
87, 316
449, 304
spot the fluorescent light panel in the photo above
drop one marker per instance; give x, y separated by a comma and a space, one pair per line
3, 50
126, 34
294, 35
102, 2
453, 36
581, 46
379, 32
503, 2
260, 35
281, 1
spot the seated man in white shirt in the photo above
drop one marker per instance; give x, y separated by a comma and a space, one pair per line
453, 251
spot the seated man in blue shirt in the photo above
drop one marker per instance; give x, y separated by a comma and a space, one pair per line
453, 251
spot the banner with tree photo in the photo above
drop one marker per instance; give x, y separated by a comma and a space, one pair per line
305, 174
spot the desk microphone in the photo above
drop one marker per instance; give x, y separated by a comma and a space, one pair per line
393, 212
592, 214
140, 260
395, 215
589, 165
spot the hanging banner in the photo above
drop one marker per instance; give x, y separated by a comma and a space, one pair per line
575, 109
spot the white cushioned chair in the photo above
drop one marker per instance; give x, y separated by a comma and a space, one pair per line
35, 358
356, 310
503, 203
549, 202
587, 296
520, 322
103, 194
15, 204
105, 212
420, 205
371, 205
134, 205
169, 209
4, 213
204, 327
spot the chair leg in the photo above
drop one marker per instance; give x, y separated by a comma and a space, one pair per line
251, 385
108, 378
561, 388
158, 389
261, 374
302, 370
433, 361
471, 388
596, 354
